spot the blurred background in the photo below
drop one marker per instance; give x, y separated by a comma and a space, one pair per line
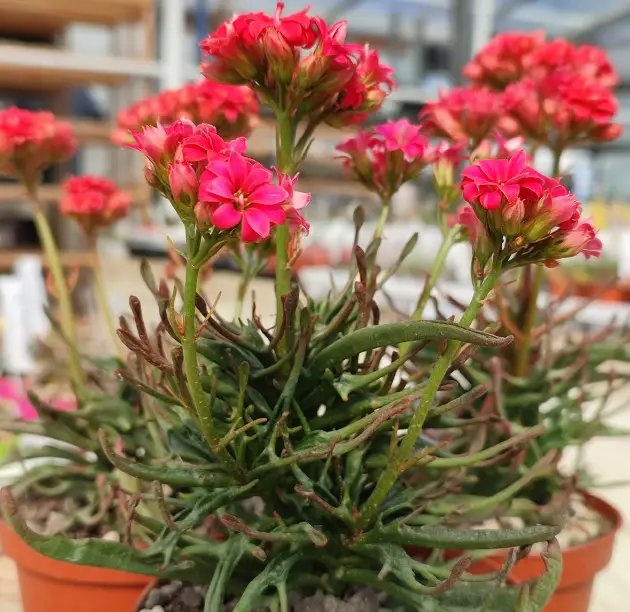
86, 60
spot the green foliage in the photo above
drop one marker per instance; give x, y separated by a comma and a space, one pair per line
265, 500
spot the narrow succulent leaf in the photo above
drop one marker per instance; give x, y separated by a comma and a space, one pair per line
536, 594
275, 574
182, 477
391, 334
235, 547
433, 536
109, 411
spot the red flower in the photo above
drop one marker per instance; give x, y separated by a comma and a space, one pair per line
300, 62
232, 110
386, 156
504, 59
239, 191
562, 109
297, 200
93, 202
32, 141
494, 182
589, 62
463, 114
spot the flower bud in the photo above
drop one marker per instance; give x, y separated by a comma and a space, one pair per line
184, 183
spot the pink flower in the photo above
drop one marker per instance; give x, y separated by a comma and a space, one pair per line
532, 218
403, 136
386, 156
32, 141
475, 231
205, 144
463, 114
93, 202
504, 59
493, 182
184, 183
582, 238
297, 200
161, 144
238, 190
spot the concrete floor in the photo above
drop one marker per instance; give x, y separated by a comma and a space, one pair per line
609, 459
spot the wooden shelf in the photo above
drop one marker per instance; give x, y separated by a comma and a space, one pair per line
50, 16
34, 67
11, 193
82, 259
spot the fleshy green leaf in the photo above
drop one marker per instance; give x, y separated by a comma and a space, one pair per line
275, 574
433, 536
183, 477
390, 334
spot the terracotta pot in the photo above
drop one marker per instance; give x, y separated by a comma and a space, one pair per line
48, 585
580, 564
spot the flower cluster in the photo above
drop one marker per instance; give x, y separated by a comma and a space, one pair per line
463, 114
31, 141
386, 156
504, 60
93, 202
563, 109
556, 93
510, 56
232, 110
539, 218
211, 181
299, 63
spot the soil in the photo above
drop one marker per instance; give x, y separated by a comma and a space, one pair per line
51, 516
180, 597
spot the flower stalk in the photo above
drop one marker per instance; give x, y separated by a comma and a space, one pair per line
66, 315
405, 452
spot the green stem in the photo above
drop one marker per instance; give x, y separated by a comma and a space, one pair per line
191, 366
436, 271
101, 293
406, 449
382, 219
63, 294
285, 145
431, 280
525, 345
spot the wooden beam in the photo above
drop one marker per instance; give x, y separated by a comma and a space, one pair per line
35, 67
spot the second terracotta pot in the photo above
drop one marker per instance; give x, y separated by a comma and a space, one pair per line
48, 585
580, 564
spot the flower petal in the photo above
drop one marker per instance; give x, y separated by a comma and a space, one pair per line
257, 221
268, 195
226, 217
218, 189
491, 200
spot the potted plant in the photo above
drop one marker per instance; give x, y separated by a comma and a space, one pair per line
72, 487
299, 453
548, 94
